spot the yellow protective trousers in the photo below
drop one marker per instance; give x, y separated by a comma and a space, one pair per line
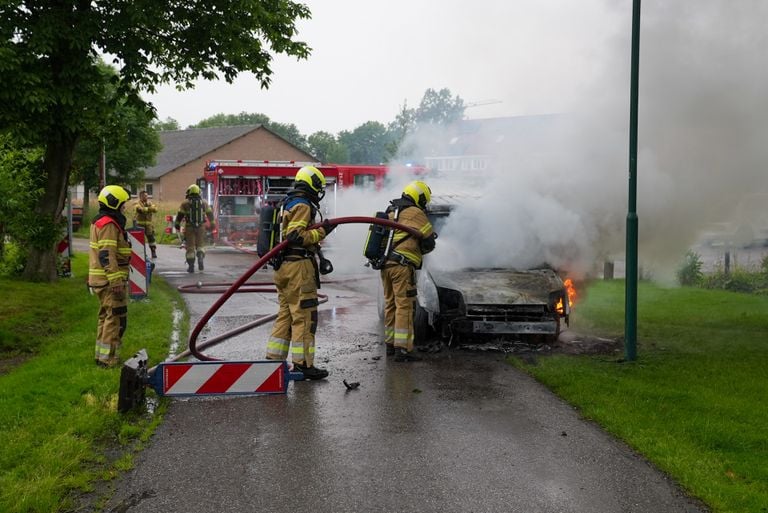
399, 286
296, 321
194, 238
113, 320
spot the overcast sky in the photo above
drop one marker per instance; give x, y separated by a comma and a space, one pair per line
369, 57
703, 159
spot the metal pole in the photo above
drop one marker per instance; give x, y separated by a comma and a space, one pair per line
102, 165
630, 301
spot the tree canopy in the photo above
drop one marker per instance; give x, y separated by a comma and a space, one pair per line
51, 48
287, 131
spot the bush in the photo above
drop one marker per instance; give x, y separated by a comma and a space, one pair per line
13, 259
737, 280
689, 274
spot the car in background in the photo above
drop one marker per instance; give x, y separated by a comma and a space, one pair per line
487, 303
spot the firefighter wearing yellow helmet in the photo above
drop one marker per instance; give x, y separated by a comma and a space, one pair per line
398, 272
109, 258
193, 211
297, 276
142, 216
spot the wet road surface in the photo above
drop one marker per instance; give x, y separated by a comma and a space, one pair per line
457, 432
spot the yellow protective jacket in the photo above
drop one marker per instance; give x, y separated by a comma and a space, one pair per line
295, 226
405, 244
143, 213
109, 256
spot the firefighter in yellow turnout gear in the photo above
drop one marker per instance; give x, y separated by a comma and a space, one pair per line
398, 272
193, 212
108, 265
142, 217
296, 276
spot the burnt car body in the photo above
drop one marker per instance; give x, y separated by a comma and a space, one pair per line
487, 303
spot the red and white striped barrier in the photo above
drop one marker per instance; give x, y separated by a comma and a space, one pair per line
215, 378
137, 276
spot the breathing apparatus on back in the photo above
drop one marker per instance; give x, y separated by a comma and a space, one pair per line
309, 187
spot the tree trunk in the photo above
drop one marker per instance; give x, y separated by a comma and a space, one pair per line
59, 150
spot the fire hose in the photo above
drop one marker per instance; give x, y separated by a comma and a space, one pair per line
194, 350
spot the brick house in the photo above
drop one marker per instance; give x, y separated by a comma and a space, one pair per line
185, 152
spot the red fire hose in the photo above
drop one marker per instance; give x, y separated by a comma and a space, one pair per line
261, 262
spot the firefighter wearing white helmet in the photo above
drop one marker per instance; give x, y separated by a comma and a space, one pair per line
398, 272
109, 258
297, 275
193, 211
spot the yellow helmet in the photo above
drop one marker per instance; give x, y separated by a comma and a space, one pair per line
419, 192
113, 196
193, 189
312, 177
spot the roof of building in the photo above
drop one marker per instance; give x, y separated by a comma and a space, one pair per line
183, 146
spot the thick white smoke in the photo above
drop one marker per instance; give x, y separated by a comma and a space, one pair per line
558, 192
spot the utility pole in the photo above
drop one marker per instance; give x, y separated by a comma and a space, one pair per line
102, 165
630, 301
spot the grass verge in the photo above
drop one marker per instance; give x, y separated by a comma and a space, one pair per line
695, 403
58, 415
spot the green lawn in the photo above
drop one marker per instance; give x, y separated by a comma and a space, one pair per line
696, 400
58, 417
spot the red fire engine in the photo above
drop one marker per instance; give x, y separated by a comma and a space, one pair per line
237, 189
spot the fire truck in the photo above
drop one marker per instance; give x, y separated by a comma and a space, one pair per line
237, 189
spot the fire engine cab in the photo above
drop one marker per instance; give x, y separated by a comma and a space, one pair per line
237, 189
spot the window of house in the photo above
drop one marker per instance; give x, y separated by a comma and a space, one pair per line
148, 188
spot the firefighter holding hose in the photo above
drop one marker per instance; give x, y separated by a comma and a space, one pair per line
403, 258
109, 258
297, 276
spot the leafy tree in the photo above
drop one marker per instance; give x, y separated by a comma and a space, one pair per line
439, 108
367, 143
436, 109
287, 131
244, 118
130, 145
167, 124
326, 148
50, 49
21, 185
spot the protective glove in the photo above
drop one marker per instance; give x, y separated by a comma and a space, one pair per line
177, 226
328, 227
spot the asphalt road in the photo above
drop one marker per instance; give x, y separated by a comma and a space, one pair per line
457, 432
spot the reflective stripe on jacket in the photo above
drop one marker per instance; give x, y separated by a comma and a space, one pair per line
405, 244
109, 256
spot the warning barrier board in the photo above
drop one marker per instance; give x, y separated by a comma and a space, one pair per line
216, 378
137, 275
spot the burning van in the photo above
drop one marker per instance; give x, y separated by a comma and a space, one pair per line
488, 303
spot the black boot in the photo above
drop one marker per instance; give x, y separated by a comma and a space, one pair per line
200, 257
311, 372
390, 349
190, 266
154, 251
401, 355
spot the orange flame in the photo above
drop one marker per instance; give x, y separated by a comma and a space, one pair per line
571, 289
